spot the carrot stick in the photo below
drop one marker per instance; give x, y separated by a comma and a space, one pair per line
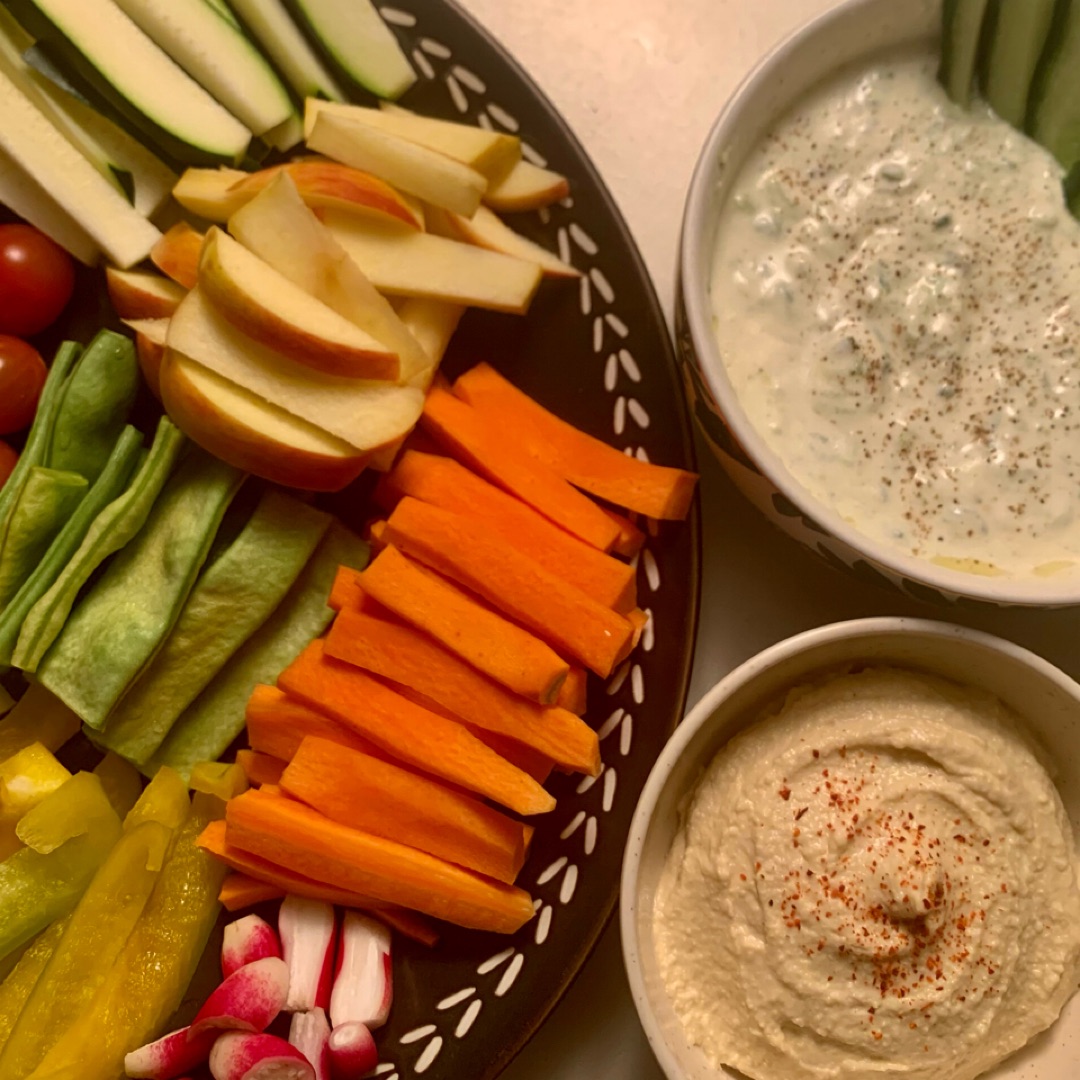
400, 653
411, 924
491, 643
260, 768
277, 724
479, 443
574, 624
214, 839
376, 535
572, 693
630, 539
638, 620
346, 590
407, 731
240, 891
444, 482
379, 798
306, 842
587, 462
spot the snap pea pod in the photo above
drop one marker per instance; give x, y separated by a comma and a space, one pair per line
205, 729
110, 531
36, 449
22, 979
48, 499
114, 631
109, 485
232, 598
37, 887
139, 996
95, 405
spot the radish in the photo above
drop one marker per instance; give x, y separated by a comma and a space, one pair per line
352, 1051
307, 929
242, 1055
170, 1056
363, 986
248, 1000
246, 940
309, 1032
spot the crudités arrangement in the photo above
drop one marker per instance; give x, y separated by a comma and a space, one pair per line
161, 590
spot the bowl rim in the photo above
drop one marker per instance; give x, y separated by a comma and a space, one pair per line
851, 630
693, 297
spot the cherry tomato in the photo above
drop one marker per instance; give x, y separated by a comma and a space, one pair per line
9, 458
37, 278
22, 375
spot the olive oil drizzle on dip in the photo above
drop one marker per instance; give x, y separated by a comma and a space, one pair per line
895, 289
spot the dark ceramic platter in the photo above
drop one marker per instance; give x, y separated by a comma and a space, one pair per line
599, 354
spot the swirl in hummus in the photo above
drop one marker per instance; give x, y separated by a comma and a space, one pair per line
880, 879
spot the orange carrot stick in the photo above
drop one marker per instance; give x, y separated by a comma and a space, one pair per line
574, 624
346, 590
587, 462
482, 445
306, 842
277, 723
239, 891
444, 482
394, 651
260, 768
574, 690
407, 731
630, 539
380, 798
510, 655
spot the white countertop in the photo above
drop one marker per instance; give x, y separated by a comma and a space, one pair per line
640, 82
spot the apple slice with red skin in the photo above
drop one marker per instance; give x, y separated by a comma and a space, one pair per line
251, 434
176, 254
138, 294
150, 335
267, 307
526, 187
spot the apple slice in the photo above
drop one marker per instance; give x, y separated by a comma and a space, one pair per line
136, 294
419, 264
209, 192
150, 335
282, 231
526, 187
407, 165
364, 414
269, 308
251, 434
491, 153
487, 230
176, 254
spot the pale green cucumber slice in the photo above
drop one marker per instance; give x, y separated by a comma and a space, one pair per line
1053, 118
1015, 36
961, 35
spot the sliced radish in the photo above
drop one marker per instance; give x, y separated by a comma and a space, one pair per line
309, 1032
363, 985
241, 1055
248, 1000
170, 1056
352, 1051
307, 929
247, 940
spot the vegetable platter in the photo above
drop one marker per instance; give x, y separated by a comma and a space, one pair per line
594, 349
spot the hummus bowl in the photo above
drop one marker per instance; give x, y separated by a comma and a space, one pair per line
745, 397
1046, 704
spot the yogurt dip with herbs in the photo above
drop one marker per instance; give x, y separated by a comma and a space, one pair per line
879, 878
895, 291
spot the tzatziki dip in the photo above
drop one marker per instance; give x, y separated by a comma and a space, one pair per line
894, 291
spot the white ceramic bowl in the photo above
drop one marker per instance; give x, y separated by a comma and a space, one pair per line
1046, 698
851, 30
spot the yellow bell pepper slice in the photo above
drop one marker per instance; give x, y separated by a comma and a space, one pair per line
121, 780
38, 716
27, 777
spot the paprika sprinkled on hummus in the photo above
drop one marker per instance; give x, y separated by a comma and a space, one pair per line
881, 876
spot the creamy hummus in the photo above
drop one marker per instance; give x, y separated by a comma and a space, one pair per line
895, 288
880, 878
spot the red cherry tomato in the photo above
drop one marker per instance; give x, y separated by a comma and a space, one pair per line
37, 278
22, 375
9, 458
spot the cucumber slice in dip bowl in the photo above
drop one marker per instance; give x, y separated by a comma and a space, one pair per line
943, 545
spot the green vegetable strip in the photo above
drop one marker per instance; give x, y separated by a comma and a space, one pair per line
37, 441
232, 598
107, 487
95, 405
110, 531
48, 499
216, 717
116, 628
